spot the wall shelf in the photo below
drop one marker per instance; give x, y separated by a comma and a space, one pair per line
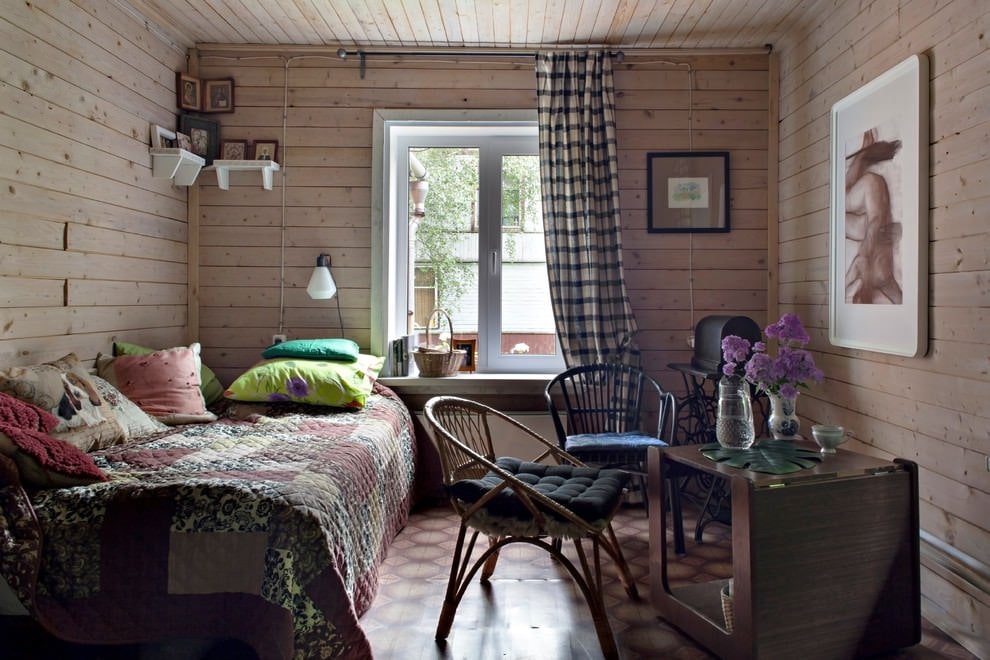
223, 169
178, 164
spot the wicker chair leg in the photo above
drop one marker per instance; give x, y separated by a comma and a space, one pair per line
610, 544
591, 583
489, 568
452, 596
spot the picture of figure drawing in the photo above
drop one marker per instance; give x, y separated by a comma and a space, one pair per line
873, 275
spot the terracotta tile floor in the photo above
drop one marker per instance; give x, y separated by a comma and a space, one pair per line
532, 610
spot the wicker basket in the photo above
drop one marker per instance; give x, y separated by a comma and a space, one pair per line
438, 362
727, 612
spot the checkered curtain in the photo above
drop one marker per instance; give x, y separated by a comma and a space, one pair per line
580, 186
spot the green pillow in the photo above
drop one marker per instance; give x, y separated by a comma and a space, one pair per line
317, 382
317, 349
210, 385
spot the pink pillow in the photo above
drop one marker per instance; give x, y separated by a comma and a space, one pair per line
165, 384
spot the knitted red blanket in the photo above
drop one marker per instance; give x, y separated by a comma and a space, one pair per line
28, 426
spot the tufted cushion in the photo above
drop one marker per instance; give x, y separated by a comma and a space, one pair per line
596, 442
591, 493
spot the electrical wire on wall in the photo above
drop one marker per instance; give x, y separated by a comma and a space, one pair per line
690, 72
286, 62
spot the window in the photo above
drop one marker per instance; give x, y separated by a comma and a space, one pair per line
463, 230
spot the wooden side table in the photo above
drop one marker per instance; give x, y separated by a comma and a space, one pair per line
825, 561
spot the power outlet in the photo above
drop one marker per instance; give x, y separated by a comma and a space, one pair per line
278, 339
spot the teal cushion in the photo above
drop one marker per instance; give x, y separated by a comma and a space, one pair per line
340, 349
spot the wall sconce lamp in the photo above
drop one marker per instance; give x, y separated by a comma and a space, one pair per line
321, 285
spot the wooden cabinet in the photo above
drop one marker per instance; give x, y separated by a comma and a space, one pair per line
825, 560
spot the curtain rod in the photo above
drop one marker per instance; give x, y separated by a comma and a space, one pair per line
619, 55
362, 54
295, 50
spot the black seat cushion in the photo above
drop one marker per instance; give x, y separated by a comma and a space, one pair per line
590, 493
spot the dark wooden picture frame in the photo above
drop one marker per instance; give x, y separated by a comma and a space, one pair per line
218, 95
188, 92
234, 150
470, 346
688, 191
265, 150
204, 134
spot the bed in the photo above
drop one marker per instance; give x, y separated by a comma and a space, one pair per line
267, 526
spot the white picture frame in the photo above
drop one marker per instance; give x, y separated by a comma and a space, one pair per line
878, 247
162, 138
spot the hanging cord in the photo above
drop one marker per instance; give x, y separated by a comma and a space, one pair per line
286, 61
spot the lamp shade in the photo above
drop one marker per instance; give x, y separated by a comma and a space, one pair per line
321, 284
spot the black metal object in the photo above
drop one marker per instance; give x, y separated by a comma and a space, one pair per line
697, 410
708, 336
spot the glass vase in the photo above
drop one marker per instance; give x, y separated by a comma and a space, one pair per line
734, 417
783, 423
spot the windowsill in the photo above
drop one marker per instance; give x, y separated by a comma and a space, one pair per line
502, 391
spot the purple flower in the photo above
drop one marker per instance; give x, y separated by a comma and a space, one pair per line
297, 387
735, 349
793, 367
788, 329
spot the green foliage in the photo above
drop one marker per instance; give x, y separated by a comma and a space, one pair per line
450, 207
451, 215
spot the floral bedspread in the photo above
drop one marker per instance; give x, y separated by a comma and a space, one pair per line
265, 529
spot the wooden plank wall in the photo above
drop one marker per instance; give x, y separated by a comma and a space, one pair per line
326, 153
933, 409
92, 247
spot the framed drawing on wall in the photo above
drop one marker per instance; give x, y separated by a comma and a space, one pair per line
687, 191
878, 248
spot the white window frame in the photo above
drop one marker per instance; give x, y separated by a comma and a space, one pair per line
389, 214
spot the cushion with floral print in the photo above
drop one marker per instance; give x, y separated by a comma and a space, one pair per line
317, 382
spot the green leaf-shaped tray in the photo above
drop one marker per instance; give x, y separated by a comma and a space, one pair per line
769, 456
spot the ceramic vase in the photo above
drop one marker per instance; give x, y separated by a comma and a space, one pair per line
734, 417
783, 423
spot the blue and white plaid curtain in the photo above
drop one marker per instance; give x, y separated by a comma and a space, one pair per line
580, 185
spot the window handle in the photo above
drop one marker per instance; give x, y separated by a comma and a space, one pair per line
493, 262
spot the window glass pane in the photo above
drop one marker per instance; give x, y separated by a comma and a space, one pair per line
527, 318
443, 230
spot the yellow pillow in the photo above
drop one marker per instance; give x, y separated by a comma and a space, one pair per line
317, 382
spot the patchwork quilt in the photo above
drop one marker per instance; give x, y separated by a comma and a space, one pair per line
269, 529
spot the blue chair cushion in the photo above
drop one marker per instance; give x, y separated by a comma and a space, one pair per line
590, 493
611, 442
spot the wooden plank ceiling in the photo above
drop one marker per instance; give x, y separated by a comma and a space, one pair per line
474, 23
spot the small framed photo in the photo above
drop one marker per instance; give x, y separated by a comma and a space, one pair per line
182, 141
688, 191
470, 346
265, 150
218, 95
204, 136
188, 92
162, 138
234, 150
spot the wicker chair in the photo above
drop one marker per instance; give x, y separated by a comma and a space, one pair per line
604, 415
550, 497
